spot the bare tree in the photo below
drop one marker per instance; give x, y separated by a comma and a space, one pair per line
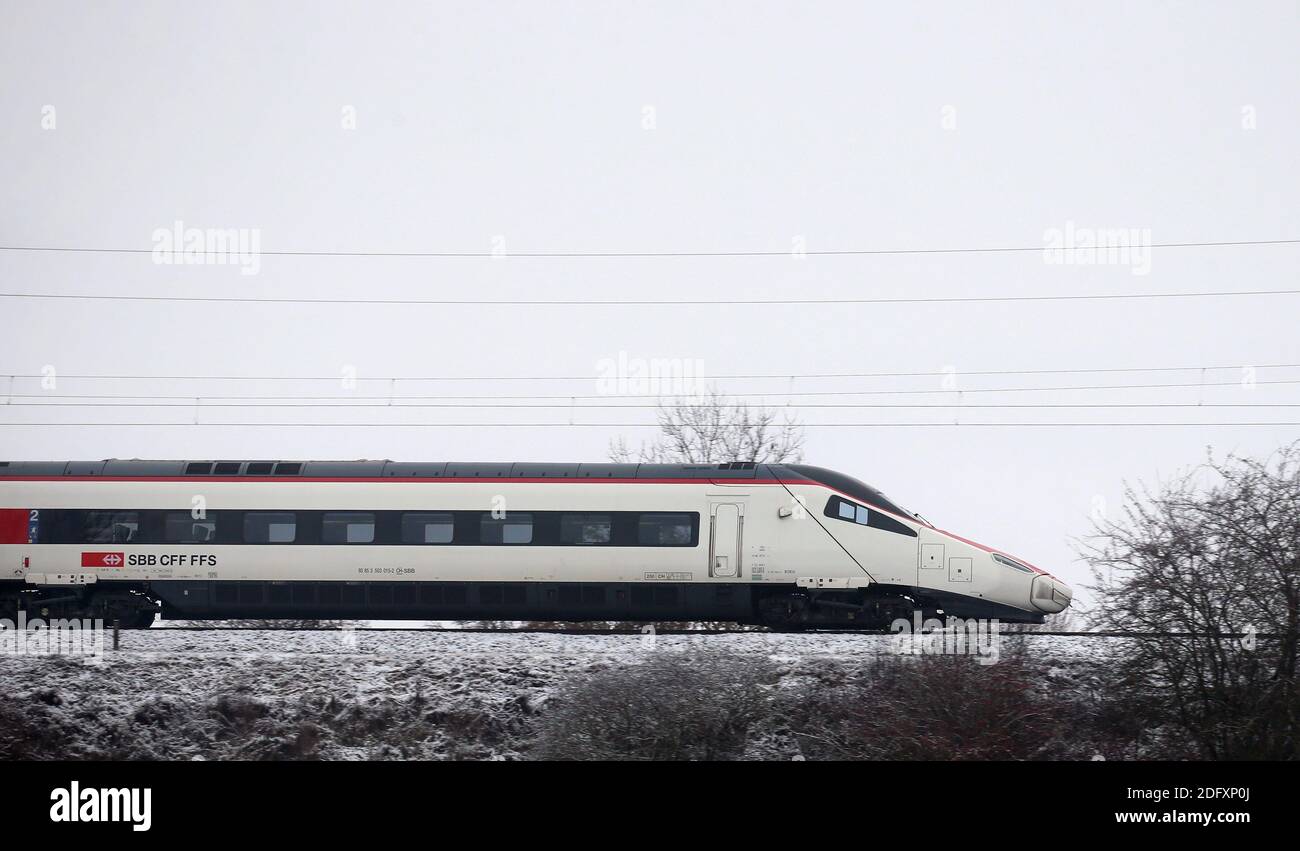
1208, 570
714, 429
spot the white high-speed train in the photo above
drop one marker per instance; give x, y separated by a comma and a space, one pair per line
787, 545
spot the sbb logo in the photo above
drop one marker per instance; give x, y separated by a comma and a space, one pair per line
102, 559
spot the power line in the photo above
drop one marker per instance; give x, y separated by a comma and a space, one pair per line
571, 397
717, 377
855, 252
782, 302
643, 406
643, 425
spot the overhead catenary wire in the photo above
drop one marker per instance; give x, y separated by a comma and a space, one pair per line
570, 397
255, 424
713, 377
662, 302
643, 406
570, 302
575, 255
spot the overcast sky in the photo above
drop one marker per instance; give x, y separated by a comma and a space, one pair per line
663, 127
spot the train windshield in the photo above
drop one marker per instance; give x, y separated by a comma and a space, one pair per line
855, 488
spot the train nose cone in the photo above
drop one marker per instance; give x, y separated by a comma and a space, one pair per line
1050, 595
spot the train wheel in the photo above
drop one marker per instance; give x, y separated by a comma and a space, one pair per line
783, 612
130, 611
143, 619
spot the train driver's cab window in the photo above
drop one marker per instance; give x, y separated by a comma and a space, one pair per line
111, 527
182, 527
508, 529
585, 529
434, 528
347, 527
664, 530
845, 510
850, 512
270, 527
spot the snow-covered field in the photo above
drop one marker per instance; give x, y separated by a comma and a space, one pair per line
170, 694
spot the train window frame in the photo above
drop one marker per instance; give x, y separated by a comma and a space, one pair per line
585, 520
865, 515
187, 517
409, 516
692, 527
487, 522
133, 536
252, 515
848, 511
331, 519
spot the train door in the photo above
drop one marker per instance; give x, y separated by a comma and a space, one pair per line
726, 530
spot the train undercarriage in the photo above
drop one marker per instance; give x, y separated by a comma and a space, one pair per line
136, 605
871, 609
126, 605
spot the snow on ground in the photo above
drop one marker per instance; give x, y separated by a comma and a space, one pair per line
208, 694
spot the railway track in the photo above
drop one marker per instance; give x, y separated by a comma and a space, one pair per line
700, 632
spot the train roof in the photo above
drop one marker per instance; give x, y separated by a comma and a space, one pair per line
365, 469
376, 469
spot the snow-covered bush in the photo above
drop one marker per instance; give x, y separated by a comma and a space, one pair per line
672, 706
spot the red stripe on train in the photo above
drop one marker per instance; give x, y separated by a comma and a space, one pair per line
13, 525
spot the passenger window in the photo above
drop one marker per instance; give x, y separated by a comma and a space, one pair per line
180, 527
111, 527
427, 528
846, 510
267, 527
511, 529
664, 530
862, 517
584, 529
339, 527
